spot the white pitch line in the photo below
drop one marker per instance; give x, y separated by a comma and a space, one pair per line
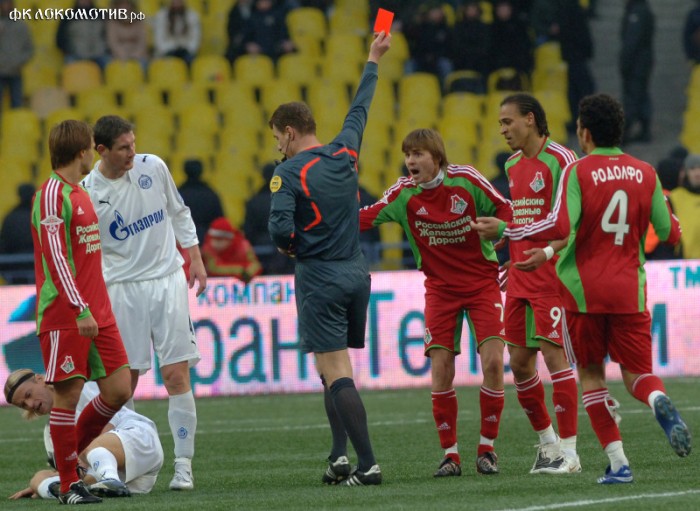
590, 502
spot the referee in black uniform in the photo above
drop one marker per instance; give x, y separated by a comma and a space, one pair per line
314, 217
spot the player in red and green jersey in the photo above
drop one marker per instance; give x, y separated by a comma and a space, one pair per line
435, 206
533, 312
77, 331
605, 203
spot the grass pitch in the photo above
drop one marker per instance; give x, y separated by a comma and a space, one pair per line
268, 453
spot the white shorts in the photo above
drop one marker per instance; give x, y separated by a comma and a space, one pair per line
143, 454
155, 311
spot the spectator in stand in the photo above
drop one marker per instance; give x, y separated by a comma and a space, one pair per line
16, 48
636, 63
127, 39
429, 39
511, 42
227, 253
574, 34
691, 34
266, 30
203, 201
177, 32
669, 170
238, 17
16, 235
257, 214
471, 40
16, 238
686, 205
83, 38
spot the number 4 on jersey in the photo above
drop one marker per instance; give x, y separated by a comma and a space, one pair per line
618, 203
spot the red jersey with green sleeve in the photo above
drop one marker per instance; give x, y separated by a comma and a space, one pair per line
533, 186
604, 203
67, 258
436, 223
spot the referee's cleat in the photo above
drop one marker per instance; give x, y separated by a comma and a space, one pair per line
372, 477
448, 468
623, 475
109, 488
78, 494
337, 471
670, 420
487, 463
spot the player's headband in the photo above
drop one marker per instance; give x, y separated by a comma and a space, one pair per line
14, 388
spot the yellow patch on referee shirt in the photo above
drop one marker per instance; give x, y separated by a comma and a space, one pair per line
275, 184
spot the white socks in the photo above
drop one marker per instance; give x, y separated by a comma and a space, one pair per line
182, 417
547, 436
617, 455
103, 464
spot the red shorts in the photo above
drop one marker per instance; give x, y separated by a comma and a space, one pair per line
68, 354
528, 320
625, 337
444, 314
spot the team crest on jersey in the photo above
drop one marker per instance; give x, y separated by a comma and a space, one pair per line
52, 223
67, 366
427, 338
459, 205
275, 184
537, 184
145, 182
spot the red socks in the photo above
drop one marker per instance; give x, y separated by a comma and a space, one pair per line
603, 423
92, 419
62, 427
531, 398
565, 399
445, 415
491, 403
645, 385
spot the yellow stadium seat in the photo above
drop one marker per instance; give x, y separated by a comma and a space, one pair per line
154, 119
211, 69
60, 115
220, 7
253, 70
556, 104
47, 99
392, 237
419, 90
214, 34
506, 79
346, 46
307, 22
309, 46
80, 76
353, 22
337, 68
383, 109
168, 73
465, 80
328, 99
95, 103
37, 74
548, 55
463, 105
142, 98
158, 143
191, 94
298, 69
121, 75
276, 92
239, 140
199, 120
20, 123
460, 140
233, 94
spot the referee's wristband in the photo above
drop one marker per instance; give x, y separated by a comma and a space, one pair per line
548, 252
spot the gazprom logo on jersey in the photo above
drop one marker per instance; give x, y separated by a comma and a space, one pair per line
121, 230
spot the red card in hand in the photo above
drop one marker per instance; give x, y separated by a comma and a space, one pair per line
383, 21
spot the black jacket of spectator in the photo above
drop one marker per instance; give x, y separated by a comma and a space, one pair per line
203, 201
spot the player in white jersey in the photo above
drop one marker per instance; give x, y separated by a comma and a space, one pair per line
124, 459
141, 215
